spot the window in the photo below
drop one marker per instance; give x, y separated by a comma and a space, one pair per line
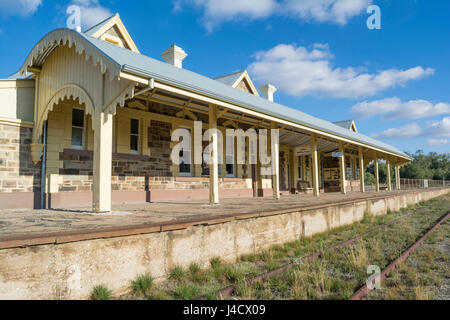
77, 128
300, 168
230, 156
134, 136
185, 161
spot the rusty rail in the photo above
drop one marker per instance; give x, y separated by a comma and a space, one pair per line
364, 290
228, 291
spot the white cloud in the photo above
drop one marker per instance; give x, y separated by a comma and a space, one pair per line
394, 108
217, 11
436, 129
91, 12
22, 8
438, 142
300, 71
439, 129
337, 11
407, 131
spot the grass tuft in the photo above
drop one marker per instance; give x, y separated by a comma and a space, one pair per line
101, 292
142, 285
177, 273
215, 263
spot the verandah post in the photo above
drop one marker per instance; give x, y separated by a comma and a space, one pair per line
315, 165
103, 124
213, 166
342, 168
361, 169
275, 154
377, 175
388, 175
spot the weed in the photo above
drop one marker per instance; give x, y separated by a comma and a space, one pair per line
186, 292
358, 256
233, 275
101, 292
194, 268
177, 273
142, 285
215, 262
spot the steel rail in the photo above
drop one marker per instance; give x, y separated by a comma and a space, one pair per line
364, 290
228, 291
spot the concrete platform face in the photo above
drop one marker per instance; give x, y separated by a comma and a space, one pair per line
64, 254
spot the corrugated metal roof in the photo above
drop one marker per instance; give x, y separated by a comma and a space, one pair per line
230, 79
92, 30
347, 124
148, 67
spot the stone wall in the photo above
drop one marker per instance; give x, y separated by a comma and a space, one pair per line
71, 268
17, 171
137, 172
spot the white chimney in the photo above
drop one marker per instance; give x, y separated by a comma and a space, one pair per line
174, 55
267, 91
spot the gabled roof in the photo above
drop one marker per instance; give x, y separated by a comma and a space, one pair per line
117, 59
234, 79
113, 30
347, 124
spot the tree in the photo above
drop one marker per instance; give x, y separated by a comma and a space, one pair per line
432, 166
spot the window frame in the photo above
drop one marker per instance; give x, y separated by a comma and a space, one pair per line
234, 164
300, 168
138, 134
83, 137
191, 171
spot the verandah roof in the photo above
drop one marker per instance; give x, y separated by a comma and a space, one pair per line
120, 59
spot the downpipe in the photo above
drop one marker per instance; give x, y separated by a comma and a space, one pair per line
44, 165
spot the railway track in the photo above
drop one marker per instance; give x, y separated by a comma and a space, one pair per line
230, 290
364, 290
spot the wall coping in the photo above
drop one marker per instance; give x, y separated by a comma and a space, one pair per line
56, 238
115, 156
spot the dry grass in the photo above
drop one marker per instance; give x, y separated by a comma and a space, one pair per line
358, 256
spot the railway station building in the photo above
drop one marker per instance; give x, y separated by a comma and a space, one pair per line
88, 121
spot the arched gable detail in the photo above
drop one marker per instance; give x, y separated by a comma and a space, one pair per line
65, 37
67, 92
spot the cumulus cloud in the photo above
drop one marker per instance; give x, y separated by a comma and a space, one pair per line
218, 11
300, 71
336, 11
437, 131
407, 131
22, 8
394, 109
438, 142
91, 12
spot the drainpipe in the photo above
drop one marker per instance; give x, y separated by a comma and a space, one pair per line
323, 175
44, 165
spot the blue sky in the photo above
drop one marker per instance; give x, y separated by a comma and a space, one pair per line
319, 53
